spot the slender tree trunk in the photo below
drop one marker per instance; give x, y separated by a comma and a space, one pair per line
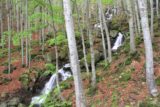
137, 17
131, 27
9, 35
22, 39
157, 8
56, 51
101, 25
152, 17
91, 46
2, 40
26, 28
80, 99
148, 48
107, 36
83, 42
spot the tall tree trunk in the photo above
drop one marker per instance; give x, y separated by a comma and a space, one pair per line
91, 46
152, 18
131, 27
82, 38
26, 28
148, 48
2, 40
137, 17
101, 27
56, 51
157, 8
80, 99
22, 39
107, 36
9, 35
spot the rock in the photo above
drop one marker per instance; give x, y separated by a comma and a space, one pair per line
98, 56
63, 53
21, 105
14, 102
3, 104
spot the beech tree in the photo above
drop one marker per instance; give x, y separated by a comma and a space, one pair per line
148, 48
80, 99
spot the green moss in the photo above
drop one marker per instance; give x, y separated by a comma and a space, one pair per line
125, 76
158, 81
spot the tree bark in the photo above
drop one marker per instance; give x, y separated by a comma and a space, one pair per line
80, 99
131, 27
148, 48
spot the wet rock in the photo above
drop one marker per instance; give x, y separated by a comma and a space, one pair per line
3, 104
14, 102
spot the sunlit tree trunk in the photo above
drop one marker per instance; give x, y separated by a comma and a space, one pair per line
131, 27
148, 48
80, 99
152, 17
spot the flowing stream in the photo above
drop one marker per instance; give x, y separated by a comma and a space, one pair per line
118, 42
65, 73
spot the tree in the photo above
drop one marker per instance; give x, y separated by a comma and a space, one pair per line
148, 48
80, 99
131, 27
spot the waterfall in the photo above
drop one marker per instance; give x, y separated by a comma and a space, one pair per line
118, 42
65, 73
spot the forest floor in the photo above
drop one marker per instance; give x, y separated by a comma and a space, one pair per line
120, 84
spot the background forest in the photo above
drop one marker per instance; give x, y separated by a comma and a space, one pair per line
79, 53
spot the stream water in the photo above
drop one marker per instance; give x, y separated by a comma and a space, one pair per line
118, 42
64, 72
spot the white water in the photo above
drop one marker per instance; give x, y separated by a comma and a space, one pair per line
118, 42
38, 100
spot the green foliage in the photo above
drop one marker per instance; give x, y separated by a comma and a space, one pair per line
104, 64
150, 102
50, 69
91, 91
158, 81
114, 99
125, 76
60, 39
53, 100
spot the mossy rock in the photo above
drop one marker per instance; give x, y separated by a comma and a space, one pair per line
88, 57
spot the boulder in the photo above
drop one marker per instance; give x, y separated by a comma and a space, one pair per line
3, 104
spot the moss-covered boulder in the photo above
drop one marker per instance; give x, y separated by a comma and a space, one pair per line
98, 57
